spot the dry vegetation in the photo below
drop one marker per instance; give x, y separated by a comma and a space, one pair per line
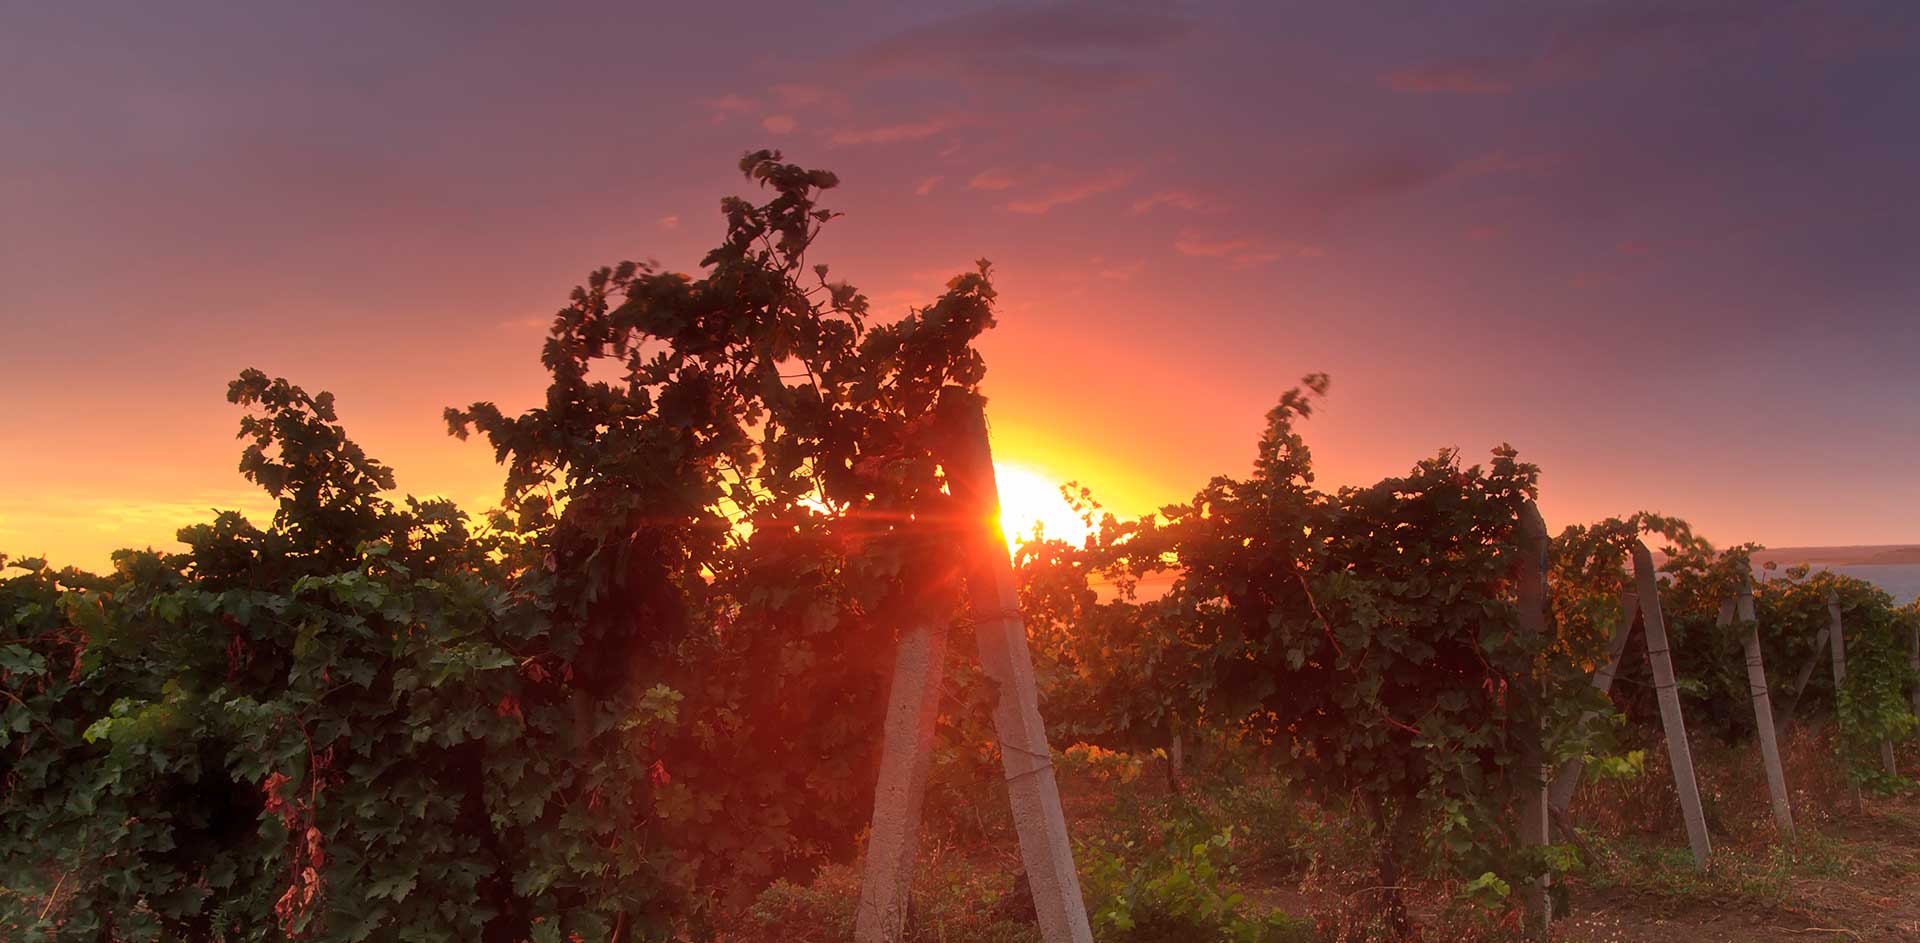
1301, 871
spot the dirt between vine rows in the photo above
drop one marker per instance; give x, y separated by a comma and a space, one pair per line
1867, 888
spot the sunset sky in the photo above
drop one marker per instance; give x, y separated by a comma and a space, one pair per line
1670, 251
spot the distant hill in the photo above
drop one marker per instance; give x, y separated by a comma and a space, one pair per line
1896, 582
1864, 555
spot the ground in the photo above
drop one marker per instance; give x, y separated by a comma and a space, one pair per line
1233, 838
1856, 877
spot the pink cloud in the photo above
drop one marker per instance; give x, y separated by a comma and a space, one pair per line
1189, 244
1178, 199
1241, 253
1073, 192
926, 186
779, 124
990, 180
729, 104
895, 133
792, 94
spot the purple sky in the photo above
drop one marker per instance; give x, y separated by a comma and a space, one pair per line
1670, 251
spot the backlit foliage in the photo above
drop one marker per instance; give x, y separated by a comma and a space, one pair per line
649, 686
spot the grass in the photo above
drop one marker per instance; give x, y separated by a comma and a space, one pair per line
1239, 856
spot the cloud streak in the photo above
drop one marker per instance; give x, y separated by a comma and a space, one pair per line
1073, 192
1242, 252
1177, 199
1587, 39
895, 133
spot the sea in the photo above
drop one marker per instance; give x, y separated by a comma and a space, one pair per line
1900, 580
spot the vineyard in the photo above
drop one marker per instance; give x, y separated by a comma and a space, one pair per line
741, 656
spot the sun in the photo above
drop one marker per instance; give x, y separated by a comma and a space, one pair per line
1028, 499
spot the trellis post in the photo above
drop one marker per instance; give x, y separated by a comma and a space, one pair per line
1534, 806
1837, 634
913, 704
1837, 655
1791, 709
1560, 794
1762, 705
1913, 661
1665, 685
967, 458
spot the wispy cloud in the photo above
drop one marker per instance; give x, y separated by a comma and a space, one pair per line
926, 186
729, 105
1368, 177
896, 133
1178, 199
1073, 192
1116, 271
1240, 252
669, 222
1197, 245
991, 179
779, 124
1586, 38
800, 95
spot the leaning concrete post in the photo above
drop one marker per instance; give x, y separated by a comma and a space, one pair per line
1037, 816
1838, 634
1560, 794
913, 704
1665, 686
1913, 661
1837, 637
1763, 711
1837, 652
1792, 707
1527, 702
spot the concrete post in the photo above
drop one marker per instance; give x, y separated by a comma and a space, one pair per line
1837, 638
1560, 794
1913, 661
1004, 656
1763, 712
1665, 685
1838, 634
1528, 696
913, 704
1792, 708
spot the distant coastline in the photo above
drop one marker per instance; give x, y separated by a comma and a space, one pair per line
1893, 567
1863, 555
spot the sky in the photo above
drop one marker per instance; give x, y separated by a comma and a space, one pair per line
1670, 251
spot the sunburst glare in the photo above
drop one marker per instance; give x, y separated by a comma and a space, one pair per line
1031, 500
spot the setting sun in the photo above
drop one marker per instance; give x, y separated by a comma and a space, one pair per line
1030, 499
